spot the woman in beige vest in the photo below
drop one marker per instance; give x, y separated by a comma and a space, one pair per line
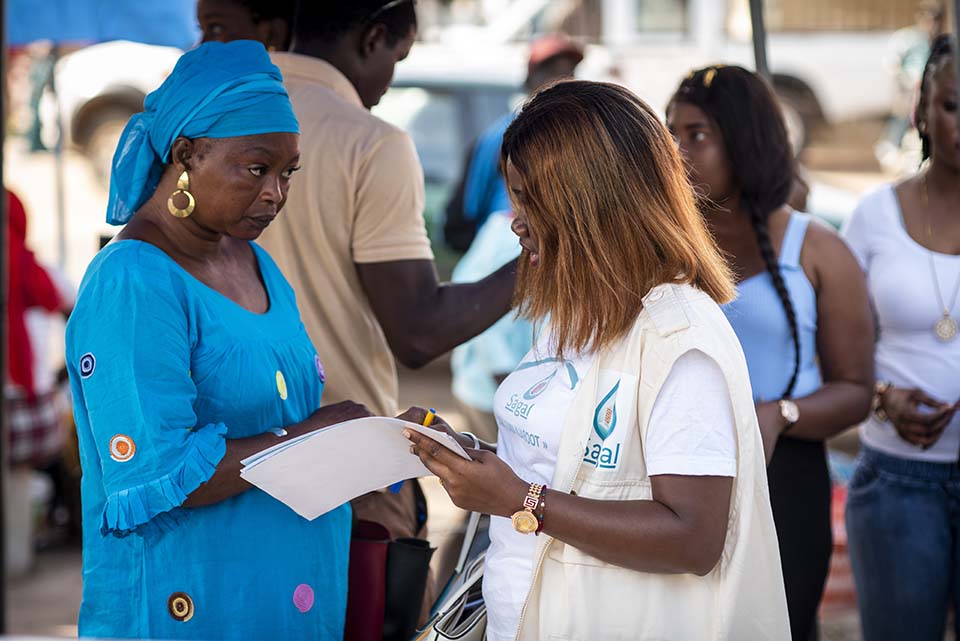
628, 487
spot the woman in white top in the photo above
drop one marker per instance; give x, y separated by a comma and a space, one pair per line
628, 435
903, 508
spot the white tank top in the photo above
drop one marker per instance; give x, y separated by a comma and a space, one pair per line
902, 288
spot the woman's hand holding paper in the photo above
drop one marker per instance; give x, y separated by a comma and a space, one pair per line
485, 484
418, 415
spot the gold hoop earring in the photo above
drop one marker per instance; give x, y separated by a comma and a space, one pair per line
183, 187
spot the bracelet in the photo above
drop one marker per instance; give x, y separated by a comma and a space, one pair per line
876, 405
476, 441
541, 506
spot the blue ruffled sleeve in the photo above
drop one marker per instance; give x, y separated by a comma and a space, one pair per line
129, 345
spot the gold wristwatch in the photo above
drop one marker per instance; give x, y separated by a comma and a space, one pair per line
525, 521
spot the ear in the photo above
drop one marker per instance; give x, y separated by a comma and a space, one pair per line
274, 33
372, 39
182, 154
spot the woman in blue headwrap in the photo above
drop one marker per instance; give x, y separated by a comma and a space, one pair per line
186, 355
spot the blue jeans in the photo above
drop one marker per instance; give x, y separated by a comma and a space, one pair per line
903, 528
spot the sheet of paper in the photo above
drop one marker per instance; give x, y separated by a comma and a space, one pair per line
319, 471
270, 451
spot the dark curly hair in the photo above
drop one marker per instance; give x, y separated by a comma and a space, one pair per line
270, 9
331, 19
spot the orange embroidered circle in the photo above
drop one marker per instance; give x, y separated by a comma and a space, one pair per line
122, 448
180, 606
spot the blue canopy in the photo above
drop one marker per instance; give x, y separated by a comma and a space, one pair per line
158, 22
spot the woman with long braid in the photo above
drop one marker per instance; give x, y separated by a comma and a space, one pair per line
903, 509
802, 313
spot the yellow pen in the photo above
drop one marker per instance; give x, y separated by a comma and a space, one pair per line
427, 421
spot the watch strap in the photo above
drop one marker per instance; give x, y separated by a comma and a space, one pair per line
532, 500
541, 506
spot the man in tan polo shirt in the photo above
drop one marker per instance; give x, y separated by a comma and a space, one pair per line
351, 239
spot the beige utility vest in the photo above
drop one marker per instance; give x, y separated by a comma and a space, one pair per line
575, 597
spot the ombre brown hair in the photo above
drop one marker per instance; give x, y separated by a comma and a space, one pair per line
607, 197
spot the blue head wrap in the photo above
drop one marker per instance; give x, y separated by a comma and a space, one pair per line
216, 91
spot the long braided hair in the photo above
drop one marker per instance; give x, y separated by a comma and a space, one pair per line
940, 50
761, 159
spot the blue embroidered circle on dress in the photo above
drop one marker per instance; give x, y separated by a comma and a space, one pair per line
88, 363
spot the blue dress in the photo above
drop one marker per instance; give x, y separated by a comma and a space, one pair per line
163, 369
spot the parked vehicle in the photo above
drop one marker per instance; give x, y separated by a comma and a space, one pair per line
98, 88
453, 86
444, 110
826, 56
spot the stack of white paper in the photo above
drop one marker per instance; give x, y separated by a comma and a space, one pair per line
319, 471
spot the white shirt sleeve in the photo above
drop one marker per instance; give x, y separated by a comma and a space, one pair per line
692, 431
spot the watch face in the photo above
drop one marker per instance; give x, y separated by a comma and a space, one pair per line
524, 522
790, 411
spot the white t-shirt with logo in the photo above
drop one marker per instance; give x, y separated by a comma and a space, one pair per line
692, 432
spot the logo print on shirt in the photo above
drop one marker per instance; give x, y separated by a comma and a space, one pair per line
571, 370
88, 363
540, 387
597, 453
281, 385
516, 404
605, 418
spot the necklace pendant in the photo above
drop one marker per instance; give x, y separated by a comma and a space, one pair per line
946, 329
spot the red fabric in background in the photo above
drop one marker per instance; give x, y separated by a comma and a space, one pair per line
29, 286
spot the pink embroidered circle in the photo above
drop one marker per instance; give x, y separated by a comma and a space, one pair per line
320, 372
303, 597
